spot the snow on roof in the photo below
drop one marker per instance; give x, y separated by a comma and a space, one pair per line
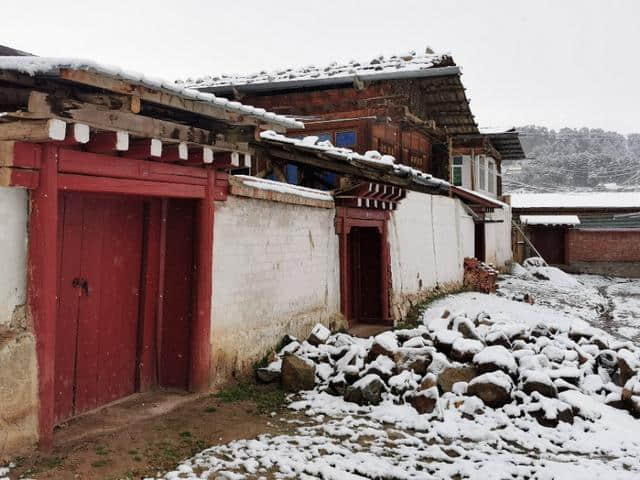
371, 157
484, 197
408, 65
549, 219
576, 200
51, 67
264, 184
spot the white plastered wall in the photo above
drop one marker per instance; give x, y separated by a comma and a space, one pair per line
18, 368
429, 236
275, 272
498, 238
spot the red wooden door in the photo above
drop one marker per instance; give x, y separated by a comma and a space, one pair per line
98, 306
366, 275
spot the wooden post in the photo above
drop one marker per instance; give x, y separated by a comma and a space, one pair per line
201, 328
42, 285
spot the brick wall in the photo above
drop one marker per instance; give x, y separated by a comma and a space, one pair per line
603, 246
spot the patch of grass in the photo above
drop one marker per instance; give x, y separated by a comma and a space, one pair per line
185, 434
100, 463
211, 410
266, 397
100, 450
412, 320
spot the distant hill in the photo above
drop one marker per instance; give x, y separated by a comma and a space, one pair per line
574, 159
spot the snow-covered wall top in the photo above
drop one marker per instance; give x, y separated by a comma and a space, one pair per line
549, 219
397, 66
51, 66
576, 200
371, 157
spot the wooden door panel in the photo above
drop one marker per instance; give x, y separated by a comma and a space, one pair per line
102, 245
70, 235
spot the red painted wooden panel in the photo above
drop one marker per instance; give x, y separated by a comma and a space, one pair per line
125, 186
107, 252
366, 275
178, 297
70, 235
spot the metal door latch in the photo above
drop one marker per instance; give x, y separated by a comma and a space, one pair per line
82, 283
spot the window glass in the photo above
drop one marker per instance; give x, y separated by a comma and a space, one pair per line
482, 172
291, 173
456, 175
346, 139
323, 137
492, 176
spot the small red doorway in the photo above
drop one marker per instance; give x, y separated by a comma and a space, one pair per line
480, 242
101, 243
365, 249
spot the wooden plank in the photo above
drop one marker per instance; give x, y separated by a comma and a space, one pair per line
33, 130
200, 361
74, 161
164, 98
20, 154
42, 287
16, 177
85, 183
146, 127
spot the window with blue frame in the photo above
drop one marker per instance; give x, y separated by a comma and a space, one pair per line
346, 139
291, 173
323, 137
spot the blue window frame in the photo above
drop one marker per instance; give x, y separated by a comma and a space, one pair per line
346, 139
291, 173
322, 137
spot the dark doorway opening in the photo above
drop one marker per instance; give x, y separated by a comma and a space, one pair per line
365, 253
178, 294
480, 243
549, 241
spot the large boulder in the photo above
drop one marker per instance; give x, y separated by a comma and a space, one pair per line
271, 372
366, 391
493, 388
453, 374
297, 374
628, 365
494, 358
424, 401
538, 381
444, 339
549, 412
464, 349
385, 343
416, 359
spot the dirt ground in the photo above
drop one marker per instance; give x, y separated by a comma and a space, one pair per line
152, 433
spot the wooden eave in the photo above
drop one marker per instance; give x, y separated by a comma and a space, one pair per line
361, 170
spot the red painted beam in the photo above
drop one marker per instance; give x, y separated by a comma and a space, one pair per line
201, 328
20, 154
86, 183
103, 166
18, 177
142, 149
42, 286
103, 142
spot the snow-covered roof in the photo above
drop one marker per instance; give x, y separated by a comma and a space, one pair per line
576, 200
372, 157
482, 196
549, 220
280, 187
43, 66
408, 65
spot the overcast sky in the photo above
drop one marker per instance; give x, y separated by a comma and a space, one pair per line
552, 63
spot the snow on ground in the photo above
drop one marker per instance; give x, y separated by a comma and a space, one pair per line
610, 303
562, 379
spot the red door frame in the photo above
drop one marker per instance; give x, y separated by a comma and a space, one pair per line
61, 169
346, 219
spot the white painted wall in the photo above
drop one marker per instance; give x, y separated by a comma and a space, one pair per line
429, 236
18, 370
276, 272
13, 244
498, 238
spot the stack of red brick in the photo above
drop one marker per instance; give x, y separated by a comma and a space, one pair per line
479, 276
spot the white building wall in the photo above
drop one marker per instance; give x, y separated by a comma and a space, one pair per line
18, 370
429, 236
498, 238
275, 272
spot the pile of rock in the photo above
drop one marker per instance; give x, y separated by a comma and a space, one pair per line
479, 276
469, 363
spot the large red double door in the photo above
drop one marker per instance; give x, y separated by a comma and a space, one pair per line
100, 262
